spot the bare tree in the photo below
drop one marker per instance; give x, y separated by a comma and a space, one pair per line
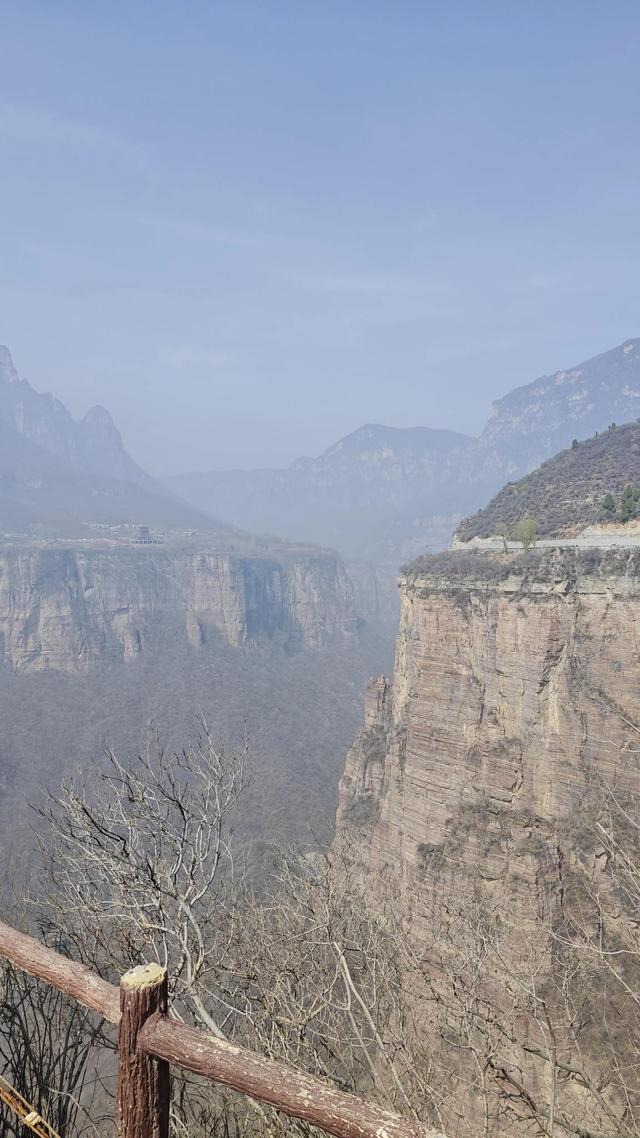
472, 1026
138, 864
142, 866
46, 1051
329, 987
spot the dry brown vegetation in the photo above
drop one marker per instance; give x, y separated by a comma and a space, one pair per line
474, 1029
568, 491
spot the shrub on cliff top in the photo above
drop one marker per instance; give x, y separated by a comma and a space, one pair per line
526, 532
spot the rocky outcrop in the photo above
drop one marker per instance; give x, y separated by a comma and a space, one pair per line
514, 705
537, 420
93, 444
68, 608
59, 475
8, 373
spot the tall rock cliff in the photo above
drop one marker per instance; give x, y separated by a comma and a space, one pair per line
68, 608
488, 811
515, 699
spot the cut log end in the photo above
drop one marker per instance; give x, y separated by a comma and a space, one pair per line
144, 976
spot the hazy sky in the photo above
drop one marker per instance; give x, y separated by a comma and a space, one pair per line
247, 228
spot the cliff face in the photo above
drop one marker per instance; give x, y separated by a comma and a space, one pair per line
513, 702
68, 608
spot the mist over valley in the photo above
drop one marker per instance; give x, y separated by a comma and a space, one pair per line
319, 571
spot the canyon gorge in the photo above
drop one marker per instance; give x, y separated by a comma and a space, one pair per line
320, 570
107, 642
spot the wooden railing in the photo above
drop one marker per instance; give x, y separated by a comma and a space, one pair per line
149, 1041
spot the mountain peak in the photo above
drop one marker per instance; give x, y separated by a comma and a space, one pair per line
100, 436
394, 442
93, 445
8, 373
98, 416
539, 419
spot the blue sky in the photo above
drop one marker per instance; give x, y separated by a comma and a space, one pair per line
249, 227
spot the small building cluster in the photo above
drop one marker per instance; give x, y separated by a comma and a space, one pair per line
144, 536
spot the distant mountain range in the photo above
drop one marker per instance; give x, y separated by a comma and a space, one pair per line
381, 495
385, 494
363, 496
56, 473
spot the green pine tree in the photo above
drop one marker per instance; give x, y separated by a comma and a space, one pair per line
628, 504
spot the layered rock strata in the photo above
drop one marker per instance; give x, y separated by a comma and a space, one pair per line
66, 608
515, 700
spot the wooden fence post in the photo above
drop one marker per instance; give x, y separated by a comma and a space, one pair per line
143, 1082
150, 1041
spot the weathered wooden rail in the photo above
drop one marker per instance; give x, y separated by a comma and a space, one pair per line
149, 1041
